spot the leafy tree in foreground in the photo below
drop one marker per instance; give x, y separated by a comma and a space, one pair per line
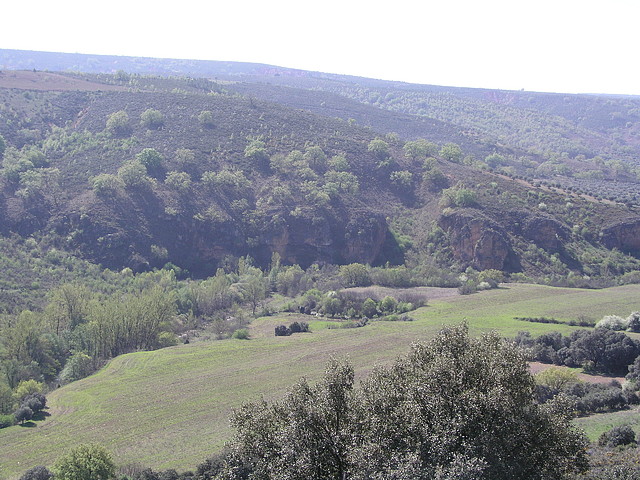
456, 407
86, 462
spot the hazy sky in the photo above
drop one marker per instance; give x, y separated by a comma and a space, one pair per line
580, 46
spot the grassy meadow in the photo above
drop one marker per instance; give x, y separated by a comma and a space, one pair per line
170, 408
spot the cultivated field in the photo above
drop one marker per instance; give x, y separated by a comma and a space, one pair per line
170, 408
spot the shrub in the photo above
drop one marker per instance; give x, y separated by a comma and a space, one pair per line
7, 420
152, 119
86, 462
106, 184
241, 334
37, 473
36, 402
78, 366
118, 124
282, 331
167, 339
206, 119
612, 322
633, 322
621, 435
23, 414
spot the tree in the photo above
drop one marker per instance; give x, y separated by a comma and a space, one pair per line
355, 275
152, 119
26, 388
86, 462
78, 366
620, 435
455, 407
37, 473
6, 399
205, 118
379, 148
118, 124
23, 414
105, 185
420, 148
180, 181
133, 174
152, 160
451, 152
3, 146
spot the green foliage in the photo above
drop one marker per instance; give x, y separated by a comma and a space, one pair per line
106, 185
339, 163
7, 420
401, 179
26, 388
241, 334
78, 366
152, 119
495, 160
6, 399
316, 158
37, 473
86, 462
133, 174
205, 117
379, 148
612, 322
256, 151
420, 149
454, 405
355, 275
23, 414
118, 124
557, 378
3, 146
617, 436
451, 152
458, 196
152, 160
179, 181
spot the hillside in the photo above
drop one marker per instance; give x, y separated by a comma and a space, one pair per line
239, 168
122, 408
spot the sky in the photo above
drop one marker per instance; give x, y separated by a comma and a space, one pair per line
564, 46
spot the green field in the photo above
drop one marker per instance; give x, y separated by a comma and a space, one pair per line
170, 408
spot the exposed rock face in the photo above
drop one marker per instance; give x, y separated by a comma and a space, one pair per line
306, 240
623, 236
545, 232
478, 241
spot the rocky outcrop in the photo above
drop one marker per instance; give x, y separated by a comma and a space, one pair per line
478, 241
545, 232
624, 236
362, 237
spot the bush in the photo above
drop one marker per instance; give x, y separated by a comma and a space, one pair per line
78, 366
118, 124
282, 331
612, 322
152, 119
86, 462
36, 402
621, 435
6, 421
206, 119
299, 327
37, 473
23, 414
241, 334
